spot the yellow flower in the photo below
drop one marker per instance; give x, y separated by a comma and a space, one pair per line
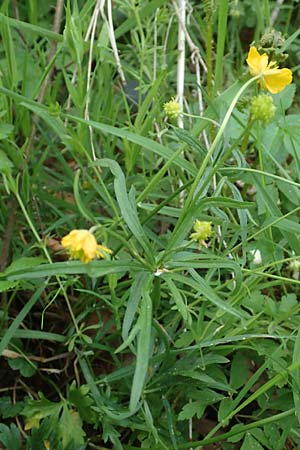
271, 78
81, 244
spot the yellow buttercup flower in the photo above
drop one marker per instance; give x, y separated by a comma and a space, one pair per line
81, 244
271, 78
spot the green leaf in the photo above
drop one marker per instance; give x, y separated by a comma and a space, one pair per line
8, 409
73, 34
289, 41
239, 370
296, 376
287, 225
22, 264
203, 399
177, 297
83, 402
93, 269
147, 143
250, 443
47, 431
288, 302
185, 339
206, 379
5, 130
127, 206
10, 437
7, 285
84, 211
26, 368
225, 408
192, 142
143, 346
37, 334
70, 426
267, 198
144, 12
188, 260
36, 410
54, 122
291, 193
192, 409
10, 333
272, 433
284, 99
211, 296
135, 295
5, 163
8, 43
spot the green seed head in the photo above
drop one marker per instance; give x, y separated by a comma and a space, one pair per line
202, 231
172, 109
262, 108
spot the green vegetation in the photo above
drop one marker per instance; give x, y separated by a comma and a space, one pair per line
141, 123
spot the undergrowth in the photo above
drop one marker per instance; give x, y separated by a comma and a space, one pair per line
139, 122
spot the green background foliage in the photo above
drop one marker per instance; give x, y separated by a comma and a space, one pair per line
165, 344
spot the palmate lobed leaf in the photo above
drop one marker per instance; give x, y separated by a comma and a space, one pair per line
192, 409
10, 436
26, 368
8, 409
83, 402
36, 410
66, 420
70, 426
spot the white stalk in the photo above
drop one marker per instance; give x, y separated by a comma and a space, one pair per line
112, 38
275, 12
92, 31
181, 57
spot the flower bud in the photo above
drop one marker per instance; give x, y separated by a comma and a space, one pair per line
294, 266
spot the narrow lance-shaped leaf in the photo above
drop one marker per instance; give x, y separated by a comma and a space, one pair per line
143, 346
133, 302
128, 212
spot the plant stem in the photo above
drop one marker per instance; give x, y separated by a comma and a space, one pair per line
222, 26
214, 144
239, 430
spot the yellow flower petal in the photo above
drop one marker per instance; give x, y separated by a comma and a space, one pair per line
256, 62
82, 245
101, 250
271, 78
277, 81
